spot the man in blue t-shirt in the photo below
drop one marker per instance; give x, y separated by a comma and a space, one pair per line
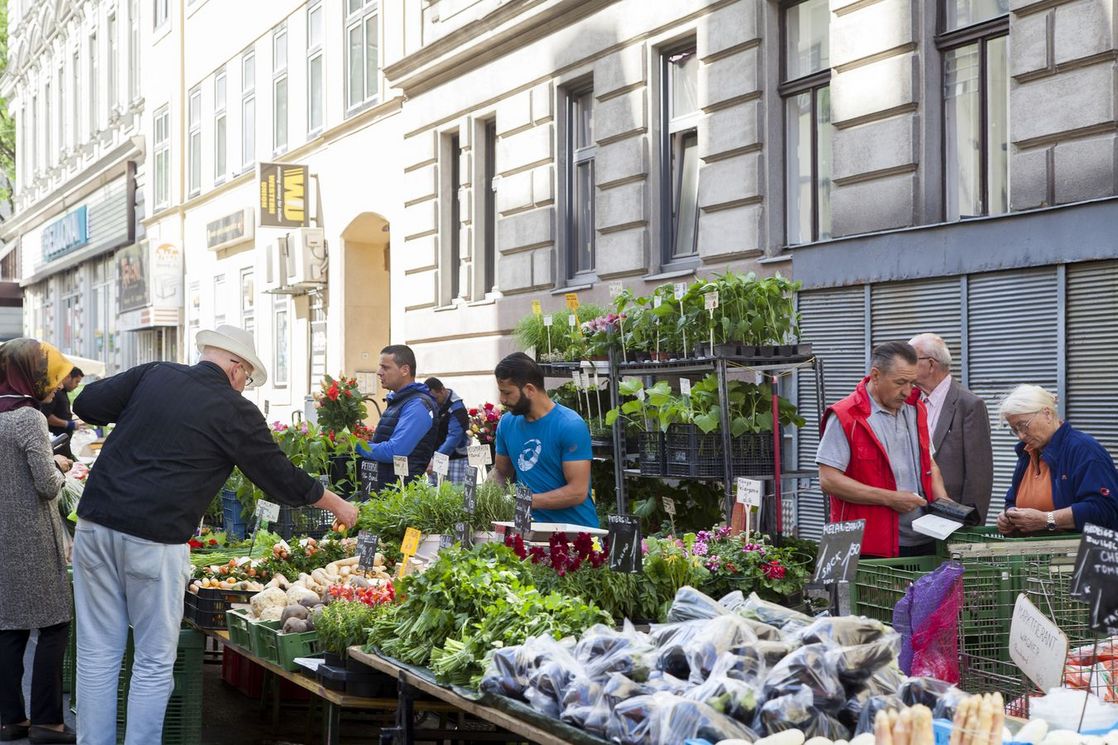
544, 445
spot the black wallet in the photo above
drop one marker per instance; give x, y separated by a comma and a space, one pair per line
960, 513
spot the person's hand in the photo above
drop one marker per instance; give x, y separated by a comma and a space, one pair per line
906, 501
1027, 520
64, 464
346, 514
1005, 527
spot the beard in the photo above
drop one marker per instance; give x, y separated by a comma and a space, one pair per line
522, 405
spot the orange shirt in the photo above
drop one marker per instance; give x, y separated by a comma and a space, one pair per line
1035, 490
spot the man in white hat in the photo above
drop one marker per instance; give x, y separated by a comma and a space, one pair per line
179, 432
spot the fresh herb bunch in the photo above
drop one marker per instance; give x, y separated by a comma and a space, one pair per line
343, 624
432, 509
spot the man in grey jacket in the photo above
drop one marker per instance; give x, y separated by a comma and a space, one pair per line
958, 424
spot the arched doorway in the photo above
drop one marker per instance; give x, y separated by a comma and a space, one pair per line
366, 318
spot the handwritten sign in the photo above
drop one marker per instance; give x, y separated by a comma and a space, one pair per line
537, 309
446, 540
440, 464
749, 492
367, 544
400, 465
522, 519
548, 321
462, 532
710, 300
367, 474
1036, 645
616, 288
679, 290
1088, 575
669, 506
839, 550
267, 511
685, 387
469, 491
479, 455
572, 301
657, 301
410, 544
625, 553
572, 320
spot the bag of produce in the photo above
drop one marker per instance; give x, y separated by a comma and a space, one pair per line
689, 649
511, 668
813, 668
926, 691
845, 631
659, 681
798, 710
548, 683
676, 720
785, 619
603, 651
630, 722
869, 710
588, 705
773, 652
732, 689
689, 604
927, 618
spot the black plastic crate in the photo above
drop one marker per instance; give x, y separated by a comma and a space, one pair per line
650, 453
368, 683
296, 522
752, 454
206, 608
690, 452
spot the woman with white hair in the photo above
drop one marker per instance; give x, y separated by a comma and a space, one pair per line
1064, 478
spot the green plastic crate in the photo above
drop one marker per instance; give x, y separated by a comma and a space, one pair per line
182, 724
239, 624
260, 631
282, 649
879, 584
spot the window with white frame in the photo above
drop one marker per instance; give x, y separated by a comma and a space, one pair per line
361, 52
48, 151
113, 71
133, 50
488, 198
75, 96
248, 301
34, 136
314, 68
162, 12
452, 271
281, 341
61, 103
162, 139
679, 75
220, 143
194, 142
279, 89
248, 110
220, 300
581, 151
94, 120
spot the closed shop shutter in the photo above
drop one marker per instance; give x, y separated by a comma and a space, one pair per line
901, 310
1092, 341
832, 321
1013, 336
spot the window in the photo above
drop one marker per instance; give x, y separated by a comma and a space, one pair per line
61, 109
489, 206
452, 155
975, 107
248, 301
314, 69
75, 96
279, 90
806, 76
194, 142
162, 12
361, 52
112, 66
679, 72
93, 82
282, 342
34, 135
220, 147
219, 300
580, 182
248, 110
162, 139
48, 152
134, 50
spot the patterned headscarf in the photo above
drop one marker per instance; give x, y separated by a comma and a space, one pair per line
29, 371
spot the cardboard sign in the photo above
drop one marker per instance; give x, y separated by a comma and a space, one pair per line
749, 492
548, 321
440, 464
522, 521
679, 290
400, 465
479, 455
616, 288
267, 511
537, 309
1036, 645
469, 491
710, 300
685, 387
839, 550
367, 544
669, 506
572, 301
367, 474
625, 553
410, 544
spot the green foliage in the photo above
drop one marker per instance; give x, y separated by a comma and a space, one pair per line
432, 510
567, 342
698, 503
340, 405
343, 624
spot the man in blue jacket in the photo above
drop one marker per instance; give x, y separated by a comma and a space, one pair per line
453, 436
407, 426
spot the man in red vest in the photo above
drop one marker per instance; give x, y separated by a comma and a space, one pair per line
875, 459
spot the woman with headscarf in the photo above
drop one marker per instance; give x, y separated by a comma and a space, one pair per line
34, 590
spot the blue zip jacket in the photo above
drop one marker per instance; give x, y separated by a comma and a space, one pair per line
1083, 477
415, 421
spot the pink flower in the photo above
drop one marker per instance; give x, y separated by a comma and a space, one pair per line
773, 569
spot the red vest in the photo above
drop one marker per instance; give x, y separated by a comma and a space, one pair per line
869, 464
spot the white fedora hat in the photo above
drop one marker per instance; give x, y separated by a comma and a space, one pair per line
239, 342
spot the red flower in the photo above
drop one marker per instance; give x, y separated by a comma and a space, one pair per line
773, 569
489, 406
194, 543
348, 393
213, 542
332, 392
473, 412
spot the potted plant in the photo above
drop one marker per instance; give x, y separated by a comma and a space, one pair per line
643, 411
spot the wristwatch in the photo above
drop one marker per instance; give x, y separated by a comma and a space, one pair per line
1051, 521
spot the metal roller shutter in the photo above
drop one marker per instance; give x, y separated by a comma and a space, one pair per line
901, 310
1092, 338
1013, 336
833, 322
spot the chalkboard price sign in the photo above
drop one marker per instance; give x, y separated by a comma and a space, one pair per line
839, 550
625, 544
1095, 577
368, 473
523, 517
469, 491
462, 533
367, 544
446, 541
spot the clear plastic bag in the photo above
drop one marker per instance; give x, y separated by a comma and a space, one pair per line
676, 720
798, 710
583, 706
689, 605
603, 651
785, 619
869, 709
948, 703
733, 687
511, 668
774, 652
548, 684
845, 631
927, 691
812, 668
690, 649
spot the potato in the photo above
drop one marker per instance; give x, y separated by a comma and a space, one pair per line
294, 626
294, 611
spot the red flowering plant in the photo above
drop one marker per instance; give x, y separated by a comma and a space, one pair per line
750, 563
340, 405
483, 423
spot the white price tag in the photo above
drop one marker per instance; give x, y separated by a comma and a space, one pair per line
669, 506
616, 288
1037, 645
548, 320
267, 511
479, 455
710, 300
679, 290
400, 465
441, 464
685, 387
572, 320
657, 301
749, 492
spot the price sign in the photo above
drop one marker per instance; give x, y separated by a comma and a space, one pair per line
410, 544
710, 300
685, 387
572, 320
749, 492
267, 511
522, 521
572, 301
462, 532
625, 544
479, 455
679, 290
537, 309
441, 464
616, 288
368, 475
469, 491
400, 465
839, 550
1086, 576
1036, 645
657, 301
446, 540
669, 506
548, 321
367, 545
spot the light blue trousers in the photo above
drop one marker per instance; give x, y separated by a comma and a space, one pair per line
120, 581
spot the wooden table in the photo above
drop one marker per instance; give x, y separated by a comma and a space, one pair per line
491, 715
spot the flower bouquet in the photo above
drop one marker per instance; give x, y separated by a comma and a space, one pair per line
483, 423
340, 405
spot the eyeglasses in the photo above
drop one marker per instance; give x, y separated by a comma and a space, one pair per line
921, 359
1023, 427
240, 364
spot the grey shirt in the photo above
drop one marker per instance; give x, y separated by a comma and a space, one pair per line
897, 434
